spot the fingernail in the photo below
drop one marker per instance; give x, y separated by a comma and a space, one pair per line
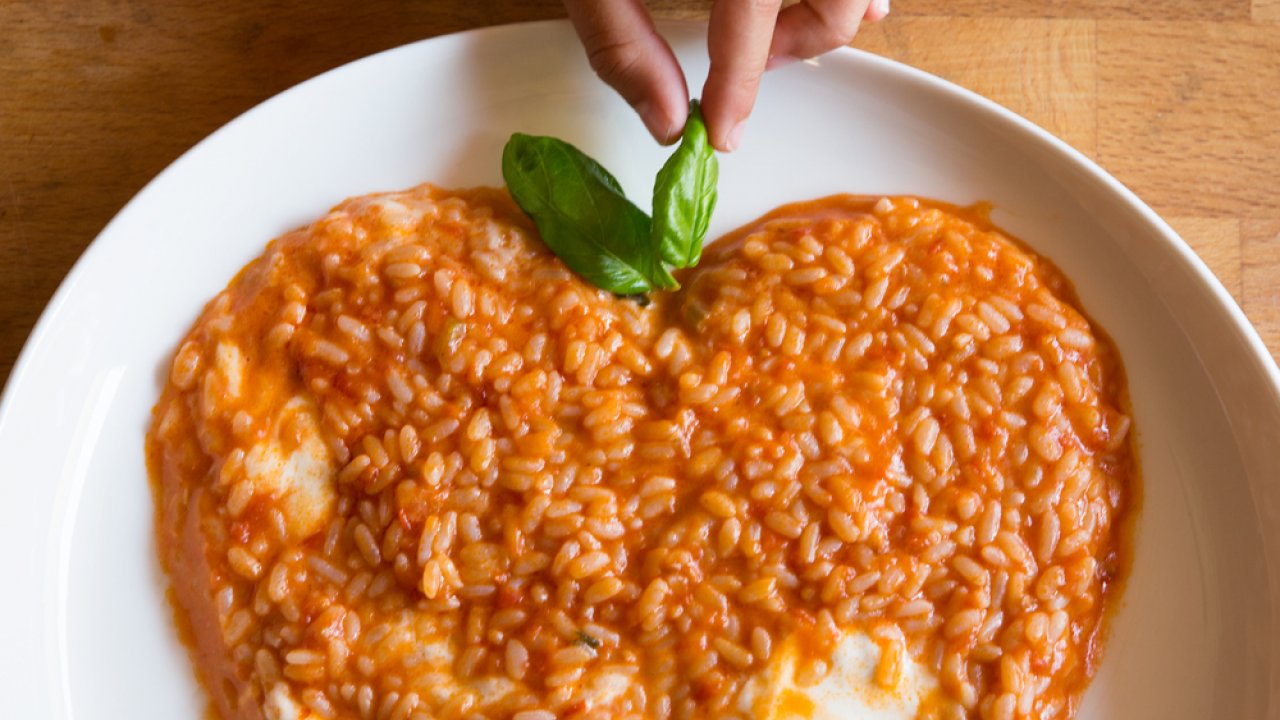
734, 138
659, 125
778, 61
881, 6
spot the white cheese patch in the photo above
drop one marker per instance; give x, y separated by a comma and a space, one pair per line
848, 691
303, 480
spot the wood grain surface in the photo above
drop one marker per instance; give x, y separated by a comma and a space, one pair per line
1180, 99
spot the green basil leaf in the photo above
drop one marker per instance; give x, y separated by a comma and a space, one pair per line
583, 215
684, 195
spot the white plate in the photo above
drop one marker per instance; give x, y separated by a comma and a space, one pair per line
87, 633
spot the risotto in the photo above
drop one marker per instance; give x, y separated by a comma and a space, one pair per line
408, 466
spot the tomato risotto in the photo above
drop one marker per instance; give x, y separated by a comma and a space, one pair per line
408, 466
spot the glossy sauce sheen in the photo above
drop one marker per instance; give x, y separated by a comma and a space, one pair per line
407, 466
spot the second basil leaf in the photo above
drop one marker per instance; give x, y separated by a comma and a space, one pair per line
684, 195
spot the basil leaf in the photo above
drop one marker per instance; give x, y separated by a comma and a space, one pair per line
684, 195
583, 215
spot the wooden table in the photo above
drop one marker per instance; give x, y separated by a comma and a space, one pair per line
1180, 99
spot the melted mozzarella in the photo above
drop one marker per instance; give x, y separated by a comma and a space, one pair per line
301, 477
848, 691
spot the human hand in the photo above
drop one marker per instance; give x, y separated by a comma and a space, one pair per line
745, 38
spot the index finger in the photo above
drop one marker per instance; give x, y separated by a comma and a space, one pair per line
627, 52
738, 44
